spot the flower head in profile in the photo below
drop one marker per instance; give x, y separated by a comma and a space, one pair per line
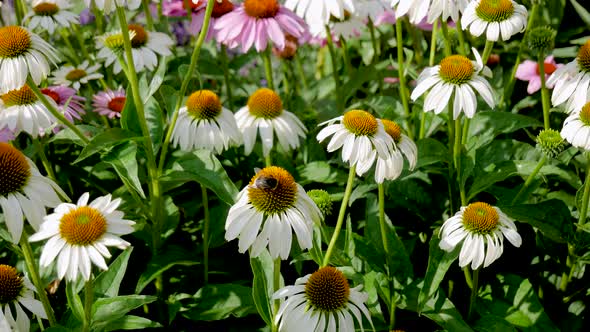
572, 82
268, 210
76, 76
204, 123
108, 6
264, 114
24, 192
416, 10
16, 293
480, 229
78, 235
361, 136
529, 71
576, 128
23, 53
50, 15
256, 23
321, 301
21, 110
321, 11
391, 169
455, 75
445, 9
109, 103
496, 18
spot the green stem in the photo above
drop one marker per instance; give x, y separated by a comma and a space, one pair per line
345, 55
148, 15
18, 13
473, 293
376, 49
225, 66
266, 58
56, 113
98, 15
422, 131
276, 285
447, 41
544, 91
46, 164
66, 38
36, 279
286, 83
392, 306
404, 94
185, 82
529, 179
88, 300
339, 102
586, 195
206, 221
466, 122
267, 160
81, 42
461, 36
457, 158
467, 274
341, 215
566, 277
300, 71
487, 51
382, 224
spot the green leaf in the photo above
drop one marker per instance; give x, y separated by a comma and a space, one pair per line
486, 125
551, 217
202, 167
153, 117
105, 140
584, 14
108, 282
74, 301
260, 286
170, 256
58, 328
66, 135
321, 172
123, 160
361, 191
493, 323
168, 95
156, 81
431, 151
216, 302
111, 308
130, 322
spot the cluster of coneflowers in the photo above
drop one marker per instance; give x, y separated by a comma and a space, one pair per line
37, 102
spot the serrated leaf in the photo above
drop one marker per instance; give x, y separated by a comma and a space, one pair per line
105, 140
107, 282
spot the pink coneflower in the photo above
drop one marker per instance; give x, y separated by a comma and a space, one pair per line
109, 103
256, 22
6, 135
529, 71
70, 104
176, 8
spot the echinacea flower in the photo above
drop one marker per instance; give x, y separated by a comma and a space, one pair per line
145, 47
445, 9
576, 128
455, 75
370, 9
268, 210
21, 110
109, 103
572, 82
529, 71
68, 102
264, 114
322, 301
75, 76
347, 27
415, 9
480, 230
321, 11
391, 169
24, 192
197, 9
108, 6
6, 135
17, 292
23, 53
204, 123
51, 15
255, 23
361, 136
78, 235
497, 18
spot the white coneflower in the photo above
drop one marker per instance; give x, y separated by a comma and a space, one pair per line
480, 228
75, 76
572, 82
576, 128
455, 75
21, 110
415, 9
321, 301
24, 192
78, 235
361, 136
496, 18
51, 15
17, 292
391, 169
268, 210
321, 11
23, 53
264, 114
205, 123
445, 9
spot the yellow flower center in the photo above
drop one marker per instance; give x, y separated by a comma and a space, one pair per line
76, 74
11, 284
265, 103
22, 96
585, 114
494, 10
46, 9
117, 104
456, 69
115, 41
141, 36
327, 289
360, 123
15, 170
203, 104
261, 8
480, 218
82, 226
272, 190
14, 41
584, 57
393, 129
222, 8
